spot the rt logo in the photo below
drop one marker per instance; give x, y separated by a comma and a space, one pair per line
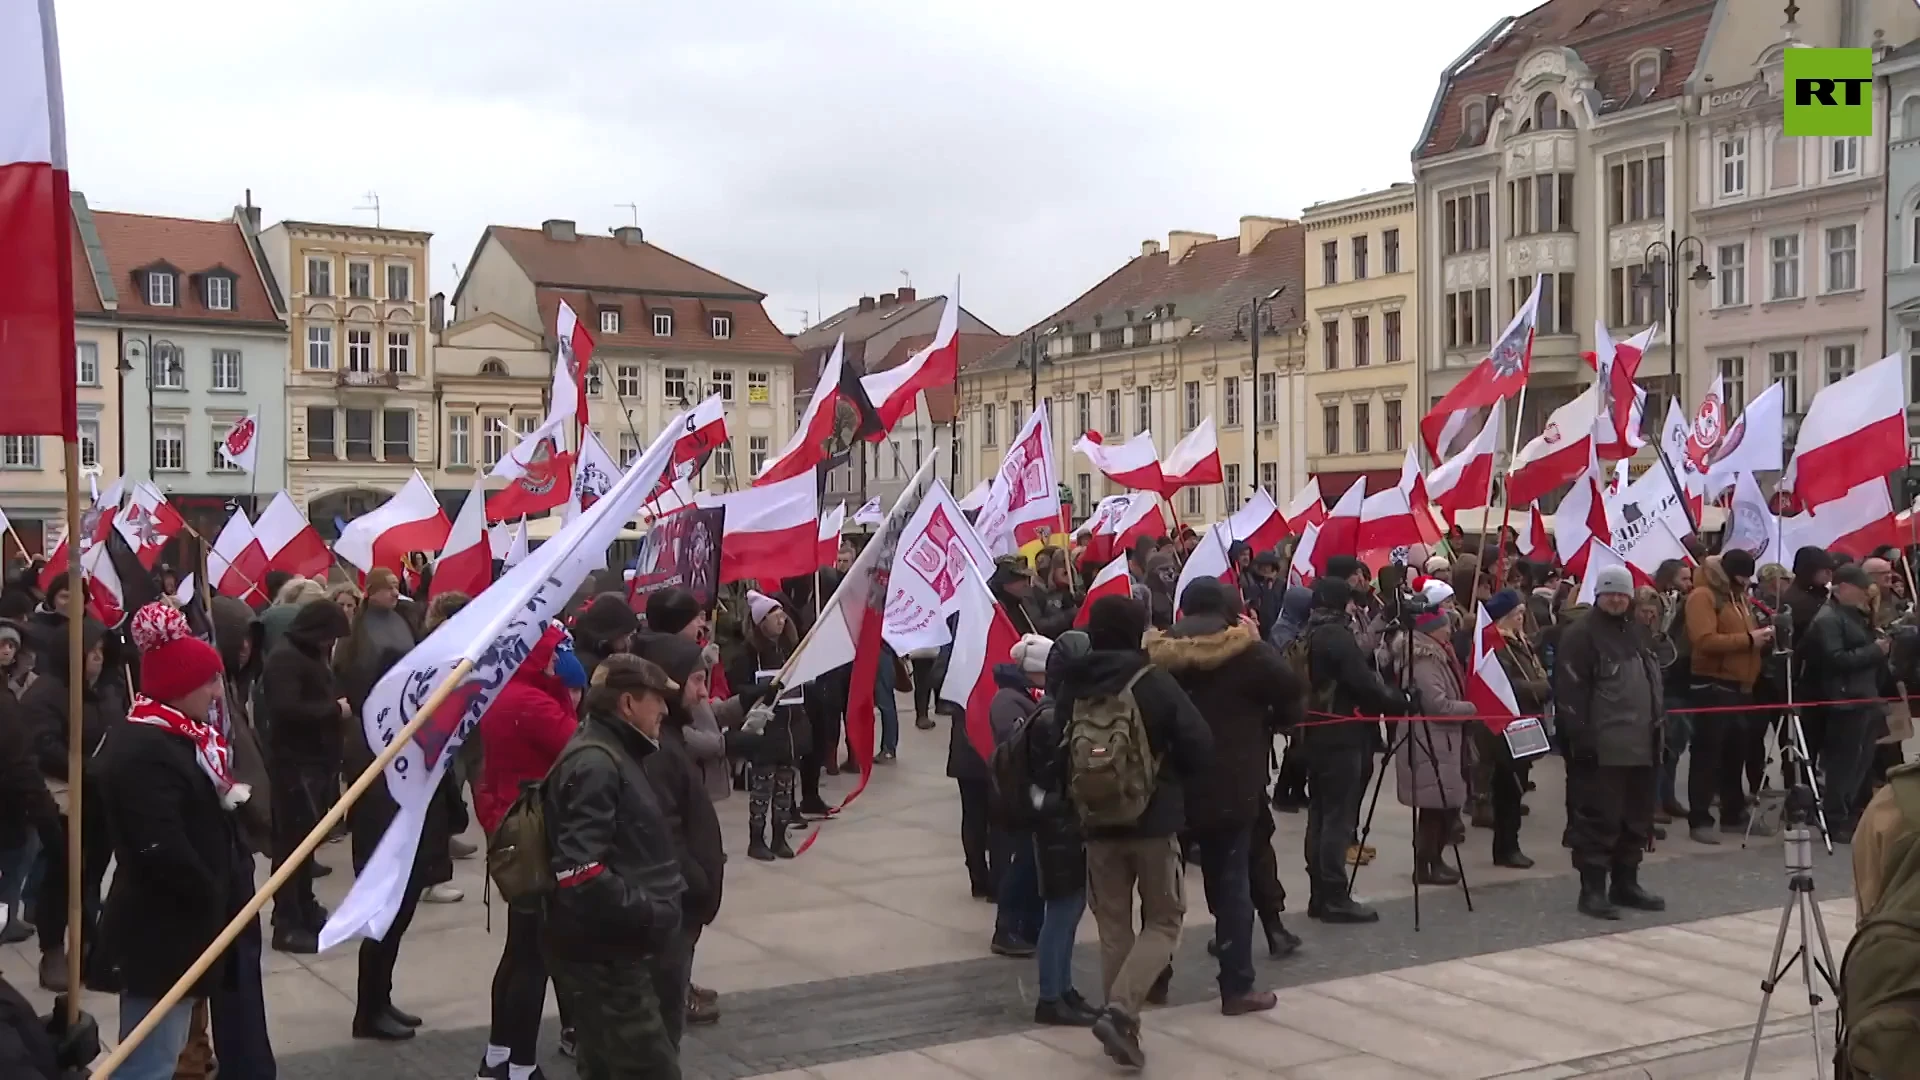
1829, 92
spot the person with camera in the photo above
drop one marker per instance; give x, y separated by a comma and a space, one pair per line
1845, 656
1728, 647
1608, 706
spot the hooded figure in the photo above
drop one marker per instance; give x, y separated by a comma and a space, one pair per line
1163, 573
1295, 606
773, 750
606, 627
301, 707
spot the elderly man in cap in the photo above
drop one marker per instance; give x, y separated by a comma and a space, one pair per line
1845, 656
1608, 705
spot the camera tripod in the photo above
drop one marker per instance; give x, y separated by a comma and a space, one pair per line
1797, 840
1796, 763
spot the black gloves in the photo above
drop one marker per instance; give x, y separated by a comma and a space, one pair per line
752, 695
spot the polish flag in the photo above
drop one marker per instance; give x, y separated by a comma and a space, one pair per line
1112, 580
1855, 431
237, 564
1462, 481
807, 447
1095, 534
1533, 542
148, 522
1307, 508
1340, 533
895, 390
1302, 571
767, 529
1209, 559
1259, 523
1134, 463
1142, 518
703, 430
543, 481
95, 523
576, 356
1388, 519
291, 543
830, 525
1853, 524
410, 521
1559, 452
1501, 375
1755, 442
465, 565
1193, 461
1488, 687
1619, 397
1581, 521
1599, 556
36, 231
983, 638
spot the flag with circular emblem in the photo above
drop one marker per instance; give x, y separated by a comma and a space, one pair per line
242, 444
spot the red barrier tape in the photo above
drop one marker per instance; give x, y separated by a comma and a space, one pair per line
1328, 719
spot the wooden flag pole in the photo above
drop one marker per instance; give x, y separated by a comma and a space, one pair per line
367, 778
76, 730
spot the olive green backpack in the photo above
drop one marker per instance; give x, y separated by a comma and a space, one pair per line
1880, 974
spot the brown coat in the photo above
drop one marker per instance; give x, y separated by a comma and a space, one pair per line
1720, 628
1430, 769
1880, 824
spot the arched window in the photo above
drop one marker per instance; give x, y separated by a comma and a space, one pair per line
1646, 75
493, 367
1476, 121
1546, 112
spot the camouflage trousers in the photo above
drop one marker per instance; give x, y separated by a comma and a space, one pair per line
619, 1033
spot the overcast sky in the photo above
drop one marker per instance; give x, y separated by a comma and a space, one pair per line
811, 150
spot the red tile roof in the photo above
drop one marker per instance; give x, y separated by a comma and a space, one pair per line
589, 261
136, 242
752, 332
86, 294
1603, 33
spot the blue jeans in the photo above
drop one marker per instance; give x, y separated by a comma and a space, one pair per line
1224, 870
889, 707
1020, 907
1054, 951
16, 866
157, 1054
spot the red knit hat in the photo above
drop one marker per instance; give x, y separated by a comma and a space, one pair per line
173, 663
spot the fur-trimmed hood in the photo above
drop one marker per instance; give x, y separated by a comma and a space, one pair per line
1200, 643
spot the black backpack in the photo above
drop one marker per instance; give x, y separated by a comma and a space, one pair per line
1010, 770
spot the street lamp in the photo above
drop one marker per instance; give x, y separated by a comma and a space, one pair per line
148, 351
1250, 313
1670, 252
1033, 354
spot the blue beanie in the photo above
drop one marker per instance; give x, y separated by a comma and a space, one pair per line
568, 667
1501, 604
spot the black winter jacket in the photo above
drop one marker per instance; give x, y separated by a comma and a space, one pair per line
45, 706
26, 806
691, 821
1344, 684
300, 695
620, 886
1842, 660
1175, 731
1608, 700
1246, 693
1059, 846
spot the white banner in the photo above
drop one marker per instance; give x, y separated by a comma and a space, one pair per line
928, 567
1024, 502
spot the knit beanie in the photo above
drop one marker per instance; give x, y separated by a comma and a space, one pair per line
1031, 652
1501, 604
173, 663
760, 605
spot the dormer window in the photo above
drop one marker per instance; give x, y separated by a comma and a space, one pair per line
662, 323
1546, 112
159, 288
722, 327
609, 320
219, 293
1475, 121
1646, 76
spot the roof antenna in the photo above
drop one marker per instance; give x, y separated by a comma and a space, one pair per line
906, 279
373, 204
632, 208
806, 317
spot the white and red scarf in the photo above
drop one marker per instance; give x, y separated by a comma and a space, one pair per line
210, 747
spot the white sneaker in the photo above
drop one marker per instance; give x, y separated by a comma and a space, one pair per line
442, 893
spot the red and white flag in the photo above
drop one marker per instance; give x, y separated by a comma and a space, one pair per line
895, 391
542, 481
1619, 397
1560, 451
1755, 442
36, 231
291, 543
1598, 555
1112, 580
1581, 521
702, 431
595, 473
933, 553
1193, 461
1340, 532
1134, 464
1462, 481
1259, 523
771, 531
236, 564
465, 565
1709, 424
1307, 508
95, 523
1023, 504
148, 522
1501, 375
1302, 571
242, 444
808, 446
983, 638
1488, 687
831, 524
1853, 524
1855, 431
1142, 518
410, 521
1209, 559
1533, 542
575, 357
1388, 519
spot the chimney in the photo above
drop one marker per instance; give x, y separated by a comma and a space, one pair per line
629, 235
1149, 247
558, 229
437, 312
908, 294
252, 212
887, 300
866, 303
1181, 241
1254, 229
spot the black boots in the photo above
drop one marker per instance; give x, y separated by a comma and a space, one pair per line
1627, 893
1071, 1010
759, 796
1119, 1036
1280, 940
1593, 895
784, 815
1341, 909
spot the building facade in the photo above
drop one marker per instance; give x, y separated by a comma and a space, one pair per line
1898, 98
1362, 379
491, 378
359, 414
666, 334
1166, 340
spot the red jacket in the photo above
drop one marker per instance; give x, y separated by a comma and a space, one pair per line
521, 734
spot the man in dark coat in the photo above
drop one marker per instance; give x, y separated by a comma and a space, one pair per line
1263, 591
1245, 693
606, 627
306, 718
1845, 656
1052, 605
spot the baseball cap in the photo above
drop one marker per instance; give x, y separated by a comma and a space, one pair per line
624, 671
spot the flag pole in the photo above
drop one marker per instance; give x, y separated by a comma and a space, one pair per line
1513, 453
76, 732
245, 917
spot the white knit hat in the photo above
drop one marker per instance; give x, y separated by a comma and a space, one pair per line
1031, 653
760, 605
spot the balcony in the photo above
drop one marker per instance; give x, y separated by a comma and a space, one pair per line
368, 380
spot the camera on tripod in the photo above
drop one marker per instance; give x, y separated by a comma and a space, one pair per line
1783, 630
1403, 605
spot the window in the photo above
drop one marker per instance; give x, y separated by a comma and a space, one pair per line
1362, 341
320, 440
626, 380
1083, 410
1362, 427
165, 370
1083, 494
220, 294
1390, 251
400, 352
1359, 258
219, 462
90, 446
1554, 315
1628, 303
1637, 189
1193, 502
1469, 315
1114, 337
1475, 122
1733, 379
1113, 413
1390, 418
359, 434
1230, 400
399, 281
319, 276
87, 363
169, 448
1546, 111
1330, 424
987, 436
1733, 165
1840, 360
1465, 220
1540, 204
1784, 367
493, 365
396, 434
759, 387
722, 457
756, 454
459, 439
1390, 335
673, 383
1730, 273
1143, 409
1269, 406
493, 440
609, 320
20, 451
1015, 416
596, 380
1231, 474
1270, 476
1843, 258
226, 370
360, 280
723, 385
630, 448
359, 350
1646, 75
526, 425
1913, 371
663, 324
1843, 155
1330, 344
1784, 282
722, 326
1191, 413
159, 288
1330, 262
